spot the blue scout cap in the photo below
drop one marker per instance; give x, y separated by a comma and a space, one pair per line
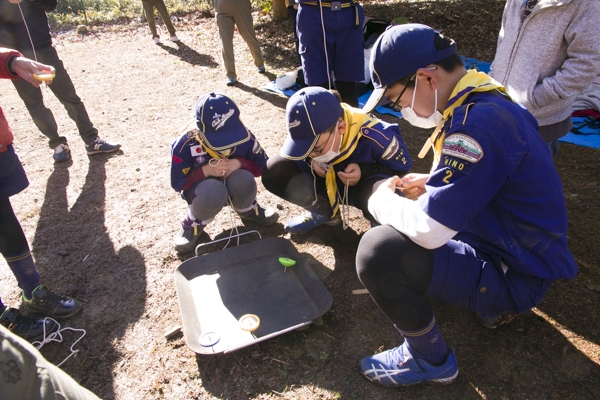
401, 50
218, 120
309, 112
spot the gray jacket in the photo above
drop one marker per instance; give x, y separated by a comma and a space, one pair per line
545, 61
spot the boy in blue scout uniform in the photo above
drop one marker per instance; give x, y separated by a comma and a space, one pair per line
217, 161
333, 154
487, 228
330, 38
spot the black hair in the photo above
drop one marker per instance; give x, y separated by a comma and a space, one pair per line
448, 64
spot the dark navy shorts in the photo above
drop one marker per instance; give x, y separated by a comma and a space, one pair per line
12, 175
470, 279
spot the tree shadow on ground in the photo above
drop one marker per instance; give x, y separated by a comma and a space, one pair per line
189, 55
77, 258
273, 98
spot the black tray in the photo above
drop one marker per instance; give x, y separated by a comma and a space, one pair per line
216, 289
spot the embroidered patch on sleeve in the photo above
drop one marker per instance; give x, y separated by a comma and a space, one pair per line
256, 149
463, 147
455, 164
177, 160
185, 170
391, 149
197, 150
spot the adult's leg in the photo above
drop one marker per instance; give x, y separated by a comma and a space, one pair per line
64, 90
243, 19
226, 26
41, 115
315, 53
162, 10
149, 10
348, 57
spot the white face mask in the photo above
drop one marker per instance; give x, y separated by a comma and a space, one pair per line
409, 114
331, 154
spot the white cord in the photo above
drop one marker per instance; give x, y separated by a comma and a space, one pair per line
57, 337
345, 206
325, 47
232, 220
28, 34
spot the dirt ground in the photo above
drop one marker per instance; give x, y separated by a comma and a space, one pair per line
101, 229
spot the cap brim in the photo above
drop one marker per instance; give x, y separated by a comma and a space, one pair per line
297, 149
226, 139
376, 99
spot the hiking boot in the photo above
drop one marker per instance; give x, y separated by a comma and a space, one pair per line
261, 69
307, 221
404, 366
61, 153
30, 329
187, 237
101, 146
260, 215
492, 321
47, 303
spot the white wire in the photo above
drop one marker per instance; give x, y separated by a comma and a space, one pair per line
345, 206
28, 34
57, 337
325, 47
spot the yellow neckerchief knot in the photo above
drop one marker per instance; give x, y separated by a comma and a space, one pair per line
474, 81
355, 120
211, 152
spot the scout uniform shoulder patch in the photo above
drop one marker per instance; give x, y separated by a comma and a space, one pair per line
463, 147
391, 150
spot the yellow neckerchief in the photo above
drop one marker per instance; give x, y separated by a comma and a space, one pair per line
473, 81
211, 152
355, 121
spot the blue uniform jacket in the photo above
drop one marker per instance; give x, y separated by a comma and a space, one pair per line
187, 155
496, 185
380, 152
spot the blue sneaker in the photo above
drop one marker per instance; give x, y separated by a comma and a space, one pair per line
61, 153
403, 366
101, 146
307, 221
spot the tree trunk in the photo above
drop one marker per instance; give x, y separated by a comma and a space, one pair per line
279, 9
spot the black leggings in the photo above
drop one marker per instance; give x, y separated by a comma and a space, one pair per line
397, 273
285, 179
12, 238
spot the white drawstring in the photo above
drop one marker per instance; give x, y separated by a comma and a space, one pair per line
57, 337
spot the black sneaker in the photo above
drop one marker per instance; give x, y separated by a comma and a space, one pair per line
187, 237
45, 302
30, 329
260, 215
101, 146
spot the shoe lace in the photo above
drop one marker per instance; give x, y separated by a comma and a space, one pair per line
51, 298
57, 337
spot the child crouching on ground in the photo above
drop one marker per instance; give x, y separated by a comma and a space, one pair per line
214, 163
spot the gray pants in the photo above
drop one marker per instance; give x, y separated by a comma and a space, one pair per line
212, 194
230, 13
64, 90
149, 6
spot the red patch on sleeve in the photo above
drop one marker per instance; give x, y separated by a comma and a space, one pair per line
177, 160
